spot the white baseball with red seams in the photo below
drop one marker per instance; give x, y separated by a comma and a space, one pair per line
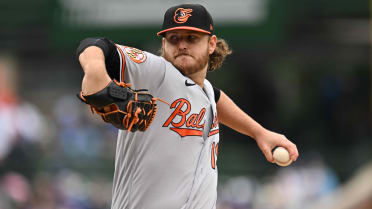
281, 156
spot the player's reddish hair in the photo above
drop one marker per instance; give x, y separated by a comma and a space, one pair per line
218, 56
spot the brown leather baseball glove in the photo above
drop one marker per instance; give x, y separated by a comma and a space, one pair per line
123, 107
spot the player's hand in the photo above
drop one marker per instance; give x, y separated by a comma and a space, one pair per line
268, 140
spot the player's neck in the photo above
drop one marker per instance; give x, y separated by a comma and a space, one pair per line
198, 77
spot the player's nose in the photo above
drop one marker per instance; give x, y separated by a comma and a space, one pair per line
182, 44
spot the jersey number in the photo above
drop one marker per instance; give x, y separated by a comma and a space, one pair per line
214, 153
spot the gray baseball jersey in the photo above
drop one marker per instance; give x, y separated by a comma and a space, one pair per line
172, 165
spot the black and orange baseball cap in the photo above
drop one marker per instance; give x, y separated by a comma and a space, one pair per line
187, 16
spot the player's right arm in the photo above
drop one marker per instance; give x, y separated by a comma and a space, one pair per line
232, 116
100, 62
102, 59
92, 60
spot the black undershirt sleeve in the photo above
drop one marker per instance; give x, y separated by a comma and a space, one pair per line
217, 94
112, 60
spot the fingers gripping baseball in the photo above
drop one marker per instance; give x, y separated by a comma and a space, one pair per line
270, 140
292, 149
268, 154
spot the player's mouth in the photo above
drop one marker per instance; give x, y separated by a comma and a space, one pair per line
183, 54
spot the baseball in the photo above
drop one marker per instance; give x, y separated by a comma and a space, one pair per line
281, 156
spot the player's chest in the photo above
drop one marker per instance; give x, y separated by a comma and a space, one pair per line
190, 112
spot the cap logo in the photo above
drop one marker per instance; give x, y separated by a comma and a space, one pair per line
181, 15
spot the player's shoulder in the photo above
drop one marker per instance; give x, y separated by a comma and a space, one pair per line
207, 83
137, 55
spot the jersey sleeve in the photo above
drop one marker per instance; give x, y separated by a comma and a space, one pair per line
141, 69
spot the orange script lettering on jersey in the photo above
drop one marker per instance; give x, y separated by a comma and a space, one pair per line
188, 125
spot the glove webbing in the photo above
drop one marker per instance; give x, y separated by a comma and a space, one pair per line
151, 113
129, 114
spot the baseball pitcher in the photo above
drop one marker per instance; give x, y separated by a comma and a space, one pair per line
167, 112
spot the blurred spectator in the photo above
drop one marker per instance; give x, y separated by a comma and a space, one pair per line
8, 104
237, 193
28, 150
17, 189
78, 137
356, 193
292, 187
21, 123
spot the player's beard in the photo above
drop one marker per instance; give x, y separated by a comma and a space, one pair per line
187, 69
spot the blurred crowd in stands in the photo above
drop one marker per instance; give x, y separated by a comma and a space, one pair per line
51, 162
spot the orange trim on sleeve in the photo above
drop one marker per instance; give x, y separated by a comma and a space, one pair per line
123, 63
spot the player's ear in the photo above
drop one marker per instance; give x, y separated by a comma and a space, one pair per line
212, 44
162, 48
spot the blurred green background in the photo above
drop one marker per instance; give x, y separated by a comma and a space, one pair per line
301, 68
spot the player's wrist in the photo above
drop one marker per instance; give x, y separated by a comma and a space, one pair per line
258, 132
92, 83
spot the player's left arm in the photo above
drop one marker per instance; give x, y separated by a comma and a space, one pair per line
232, 116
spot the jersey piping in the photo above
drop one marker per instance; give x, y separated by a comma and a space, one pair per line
122, 63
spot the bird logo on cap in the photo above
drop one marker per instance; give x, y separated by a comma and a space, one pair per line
181, 15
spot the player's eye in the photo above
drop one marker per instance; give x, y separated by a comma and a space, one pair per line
173, 39
192, 39
176, 39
